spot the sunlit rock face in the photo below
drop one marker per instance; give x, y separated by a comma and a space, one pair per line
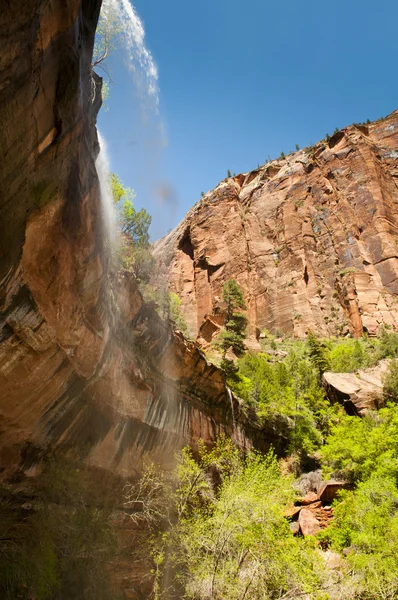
312, 240
84, 364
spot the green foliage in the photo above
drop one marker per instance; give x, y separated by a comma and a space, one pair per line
366, 522
388, 344
138, 260
135, 252
119, 191
365, 452
133, 223
231, 540
175, 314
318, 353
390, 382
107, 36
229, 173
347, 356
168, 306
359, 447
233, 297
233, 334
287, 395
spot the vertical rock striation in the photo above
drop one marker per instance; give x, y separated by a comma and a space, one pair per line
312, 239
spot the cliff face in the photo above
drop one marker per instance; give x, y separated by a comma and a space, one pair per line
84, 364
312, 240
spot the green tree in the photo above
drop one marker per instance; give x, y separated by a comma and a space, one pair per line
107, 35
133, 223
135, 250
233, 297
175, 314
318, 353
235, 326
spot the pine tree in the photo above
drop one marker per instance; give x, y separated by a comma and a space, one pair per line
318, 353
235, 322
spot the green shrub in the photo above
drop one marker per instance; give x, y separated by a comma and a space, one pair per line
359, 447
231, 540
390, 382
388, 344
347, 356
286, 395
366, 522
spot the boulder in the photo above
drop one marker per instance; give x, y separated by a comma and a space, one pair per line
309, 525
294, 527
309, 498
329, 489
357, 392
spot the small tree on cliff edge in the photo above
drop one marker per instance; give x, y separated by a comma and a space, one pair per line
235, 323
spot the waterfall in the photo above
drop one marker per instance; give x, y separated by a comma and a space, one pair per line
131, 35
107, 204
232, 411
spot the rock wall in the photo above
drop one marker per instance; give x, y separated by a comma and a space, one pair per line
312, 240
84, 364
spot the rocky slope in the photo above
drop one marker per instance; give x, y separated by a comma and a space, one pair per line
311, 238
84, 364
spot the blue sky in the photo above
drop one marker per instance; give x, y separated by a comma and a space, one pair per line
240, 81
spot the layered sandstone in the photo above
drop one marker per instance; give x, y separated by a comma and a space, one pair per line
312, 240
85, 365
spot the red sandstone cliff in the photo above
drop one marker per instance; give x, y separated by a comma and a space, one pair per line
312, 240
84, 364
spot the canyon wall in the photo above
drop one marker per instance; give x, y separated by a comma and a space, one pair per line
311, 238
85, 365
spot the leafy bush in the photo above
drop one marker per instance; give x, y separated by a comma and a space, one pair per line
286, 394
388, 344
359, 447
366, 522
347, 356
390, 382
231, 540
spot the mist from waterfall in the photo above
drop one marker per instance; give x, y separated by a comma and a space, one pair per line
107, 204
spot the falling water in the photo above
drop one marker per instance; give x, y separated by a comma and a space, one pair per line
107, 205
138, 58
232, 411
